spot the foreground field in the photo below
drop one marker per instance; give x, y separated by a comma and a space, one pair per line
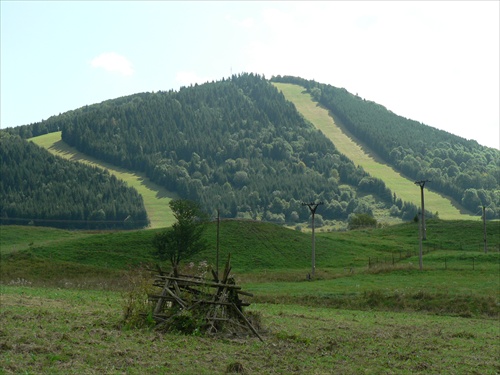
58, 331
155, 197
369, 310
404, 188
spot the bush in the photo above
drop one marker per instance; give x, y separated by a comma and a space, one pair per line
137, 308
357, 221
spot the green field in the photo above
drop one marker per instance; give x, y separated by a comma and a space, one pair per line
345, 143
48, 331
155, 197
370, 309
258, 247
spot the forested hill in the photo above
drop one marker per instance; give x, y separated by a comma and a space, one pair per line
459, 168
39, 188
235, 145
238, 146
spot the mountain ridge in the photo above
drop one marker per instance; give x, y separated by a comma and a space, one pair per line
256, 158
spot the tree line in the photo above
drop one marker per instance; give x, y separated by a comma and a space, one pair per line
459, 168
39, 188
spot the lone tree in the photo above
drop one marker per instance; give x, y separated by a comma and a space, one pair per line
184, 238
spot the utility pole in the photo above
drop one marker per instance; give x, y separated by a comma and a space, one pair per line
484, 230
421, 183
217, 260
420, 252
422, 229
313, 207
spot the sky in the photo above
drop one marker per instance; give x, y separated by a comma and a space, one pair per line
430, 61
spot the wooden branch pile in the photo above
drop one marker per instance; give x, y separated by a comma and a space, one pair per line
214, 304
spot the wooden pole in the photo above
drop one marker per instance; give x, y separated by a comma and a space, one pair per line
420, 260
313, 207
217, 260
246, 321
313, 254
422, 229
484, 230
421, 183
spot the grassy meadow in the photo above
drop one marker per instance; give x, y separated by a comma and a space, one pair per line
369, 309
155, 197
64, 331
357, 152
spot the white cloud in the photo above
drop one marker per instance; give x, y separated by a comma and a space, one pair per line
113, 62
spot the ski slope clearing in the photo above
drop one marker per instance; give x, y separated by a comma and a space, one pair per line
360, 155
155, 197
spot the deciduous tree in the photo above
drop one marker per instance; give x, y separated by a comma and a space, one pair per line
184, 238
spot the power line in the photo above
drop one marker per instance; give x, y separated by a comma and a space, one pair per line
70, 220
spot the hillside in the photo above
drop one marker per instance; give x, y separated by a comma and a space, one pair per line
155, 197
235, 145
39, 188
401, 186
372, 269
461, 169
255, 247
238, 146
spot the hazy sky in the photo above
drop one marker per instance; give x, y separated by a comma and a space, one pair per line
434, 62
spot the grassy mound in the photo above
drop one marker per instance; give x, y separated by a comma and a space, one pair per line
352, 268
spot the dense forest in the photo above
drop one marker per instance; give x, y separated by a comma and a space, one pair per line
459, 168
41, 189
235, 145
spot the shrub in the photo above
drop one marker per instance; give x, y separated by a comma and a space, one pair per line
357, 221
137, 308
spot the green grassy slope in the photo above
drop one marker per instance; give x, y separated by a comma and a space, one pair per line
276, 260
14, 238
404, 188
155, 197
257, 246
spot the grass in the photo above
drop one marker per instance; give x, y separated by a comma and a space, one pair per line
155, 197
63, 298
275, 260
405, 289
256, 246
261, 247
49, 331
13, 238
361, 155
369, 309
